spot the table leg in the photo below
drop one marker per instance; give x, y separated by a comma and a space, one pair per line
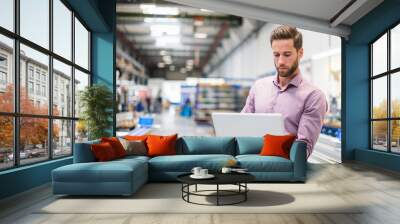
217, 194
245, 193
196, 188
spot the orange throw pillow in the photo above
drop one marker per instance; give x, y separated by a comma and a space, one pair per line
136, 137
161, 145
116, 145
277, 145
103, 152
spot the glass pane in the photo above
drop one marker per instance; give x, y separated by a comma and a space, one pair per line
33, 139
62, 29
379, 97
6, 142
62, 89
6, 74
34, 97
7, 14
395, 47
81, 132
81, 45
395, 136
379, 135
35, 21
81, 81
379, 55
62, 138
395, 94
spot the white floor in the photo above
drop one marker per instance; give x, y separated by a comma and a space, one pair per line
327, 149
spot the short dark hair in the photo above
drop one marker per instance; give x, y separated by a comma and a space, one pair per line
285, 32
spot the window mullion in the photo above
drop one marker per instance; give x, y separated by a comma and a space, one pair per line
389, 106
50, 81
73, 82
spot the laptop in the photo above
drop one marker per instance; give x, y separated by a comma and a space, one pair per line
248, 124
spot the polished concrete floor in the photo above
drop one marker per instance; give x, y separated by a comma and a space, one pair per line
378, 190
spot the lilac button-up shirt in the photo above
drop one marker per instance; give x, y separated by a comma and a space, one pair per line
302, 105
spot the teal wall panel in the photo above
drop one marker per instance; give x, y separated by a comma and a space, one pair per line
24, 178
355, 85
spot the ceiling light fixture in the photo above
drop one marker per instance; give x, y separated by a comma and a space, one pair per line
160, 20
161, 65
162, 30
200, 35
205, 10
156, 10
168, 41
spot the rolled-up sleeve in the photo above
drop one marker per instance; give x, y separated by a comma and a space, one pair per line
312, 119
249, 107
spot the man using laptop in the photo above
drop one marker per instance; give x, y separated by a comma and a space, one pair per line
302, 105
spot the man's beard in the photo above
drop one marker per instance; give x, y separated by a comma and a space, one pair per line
290, 71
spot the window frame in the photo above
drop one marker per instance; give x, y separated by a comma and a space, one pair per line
388, 74
16, 114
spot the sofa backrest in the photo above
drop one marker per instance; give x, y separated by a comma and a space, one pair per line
194, 145
83, 152
249, 145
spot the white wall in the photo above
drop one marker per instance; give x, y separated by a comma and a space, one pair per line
254, 58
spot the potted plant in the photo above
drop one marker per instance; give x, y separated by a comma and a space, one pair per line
96, 103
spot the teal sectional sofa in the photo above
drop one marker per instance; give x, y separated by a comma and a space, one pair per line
125, 176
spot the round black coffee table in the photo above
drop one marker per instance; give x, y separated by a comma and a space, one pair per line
238, 179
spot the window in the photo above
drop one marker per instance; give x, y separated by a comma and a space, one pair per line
30, 87
30, 72
7, 14
62, 29
81, 45
3, 78
37, 89
385, 97
44, 91
45, 131
34, 21
6, 74
62, 75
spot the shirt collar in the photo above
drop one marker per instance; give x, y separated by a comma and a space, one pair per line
294, 82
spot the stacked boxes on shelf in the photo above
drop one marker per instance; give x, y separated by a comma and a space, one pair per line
218, 98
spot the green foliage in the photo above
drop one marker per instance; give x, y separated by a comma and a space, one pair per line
96, 102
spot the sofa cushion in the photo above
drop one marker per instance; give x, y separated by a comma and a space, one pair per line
185, 163
83, 152
112, 171
257, 163
116, 145
103, 152
249, 145
161, 145
196, 145
277, 145
134, 147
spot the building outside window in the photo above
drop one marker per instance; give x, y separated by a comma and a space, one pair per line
34, 75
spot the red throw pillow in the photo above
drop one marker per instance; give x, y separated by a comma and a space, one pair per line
136, 137
161, 145
116, 145
277, 145
103, 152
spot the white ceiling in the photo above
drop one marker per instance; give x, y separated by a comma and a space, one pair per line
315, 15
